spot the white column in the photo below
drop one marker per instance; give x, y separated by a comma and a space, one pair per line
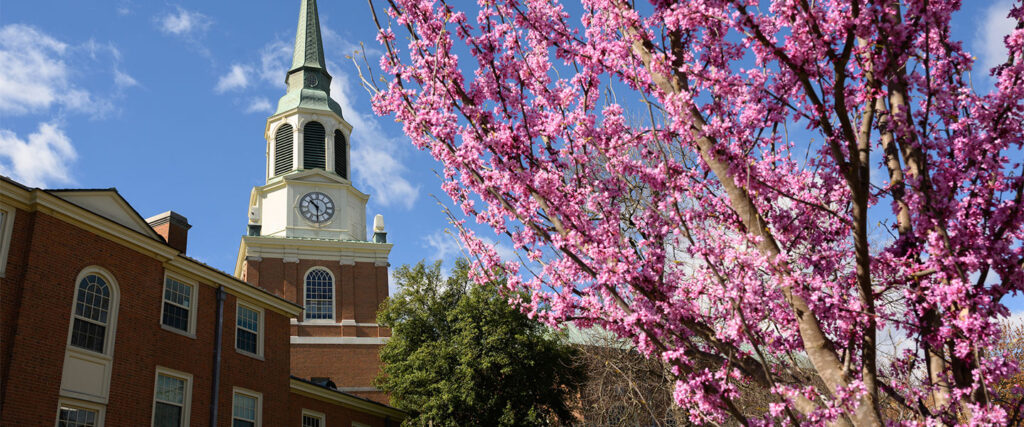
297, 146
329, 152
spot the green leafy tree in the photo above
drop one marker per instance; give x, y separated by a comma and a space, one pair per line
460, 355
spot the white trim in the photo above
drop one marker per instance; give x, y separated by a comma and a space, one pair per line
193, 302
186, 405
7, 214
314, 414
65, 402
334, 297
335, 397
248, 393
359, 424
345, 322
103, 360
115, 299
340, 340
259, 334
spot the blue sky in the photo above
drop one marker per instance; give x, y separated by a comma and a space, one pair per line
167, 102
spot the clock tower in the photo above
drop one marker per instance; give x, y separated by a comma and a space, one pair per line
307, 239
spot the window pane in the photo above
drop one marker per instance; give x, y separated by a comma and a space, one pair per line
319, 295
88, 335
74, 417
175, 317
93, 299
240, 423
248, 319
167, 415
178, 293
170, 389
308, 421
245, 407
245, 340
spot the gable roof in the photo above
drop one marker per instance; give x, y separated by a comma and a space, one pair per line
108, 203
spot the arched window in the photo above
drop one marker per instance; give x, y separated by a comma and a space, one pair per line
340, 154
92, 314
314, 146
283, 149
319, 295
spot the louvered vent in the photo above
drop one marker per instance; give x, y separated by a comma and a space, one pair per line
314, 146
340, 153
283, 150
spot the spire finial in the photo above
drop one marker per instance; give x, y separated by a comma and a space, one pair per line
309, 46
309, 83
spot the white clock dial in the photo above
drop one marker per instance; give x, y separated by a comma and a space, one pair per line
316, 207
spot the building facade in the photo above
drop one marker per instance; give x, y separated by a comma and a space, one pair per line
104, 319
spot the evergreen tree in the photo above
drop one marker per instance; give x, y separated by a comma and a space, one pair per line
460, 355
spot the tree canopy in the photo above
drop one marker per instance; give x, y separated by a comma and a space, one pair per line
460, 355
754, 182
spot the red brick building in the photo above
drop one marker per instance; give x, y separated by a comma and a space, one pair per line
104, 319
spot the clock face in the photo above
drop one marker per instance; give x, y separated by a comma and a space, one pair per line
316, 207
311, 80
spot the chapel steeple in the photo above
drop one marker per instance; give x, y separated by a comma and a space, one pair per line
309, 83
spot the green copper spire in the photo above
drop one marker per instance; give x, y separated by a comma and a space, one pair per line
309, 84
309, 47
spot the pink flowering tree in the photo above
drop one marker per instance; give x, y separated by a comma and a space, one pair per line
770, 185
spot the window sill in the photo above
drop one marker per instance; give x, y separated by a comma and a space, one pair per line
252, 355
178, 331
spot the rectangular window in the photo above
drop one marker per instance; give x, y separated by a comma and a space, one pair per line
178, 306
312, 418
76, 417
172, 398
247, 334
245, 411
75, 413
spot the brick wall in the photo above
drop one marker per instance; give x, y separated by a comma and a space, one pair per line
358, 292
46, 257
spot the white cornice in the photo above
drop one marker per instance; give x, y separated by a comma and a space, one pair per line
346, 400
342, 251
340, 340
293, 178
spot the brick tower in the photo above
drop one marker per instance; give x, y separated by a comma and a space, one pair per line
307, 239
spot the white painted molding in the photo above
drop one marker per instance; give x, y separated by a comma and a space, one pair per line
340, 340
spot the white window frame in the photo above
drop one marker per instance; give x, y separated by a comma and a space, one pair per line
186, 406
314, 414
248, 393
6, 227
65, 402
259, 333
334, 297
193, 300
111, 327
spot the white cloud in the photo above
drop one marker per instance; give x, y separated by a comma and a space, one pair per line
275, 58
184, 22
237, 78
35, 74
41, 160
988, 43
446, 245
375, 160
259, 105
32, 71
123, 80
